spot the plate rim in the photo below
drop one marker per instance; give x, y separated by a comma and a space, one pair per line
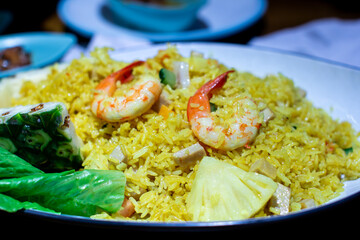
240, 45
186, 225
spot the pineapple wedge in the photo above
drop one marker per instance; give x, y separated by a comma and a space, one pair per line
221, 191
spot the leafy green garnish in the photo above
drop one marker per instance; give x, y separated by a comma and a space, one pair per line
11, 166
10, 204
82, 193
39, 137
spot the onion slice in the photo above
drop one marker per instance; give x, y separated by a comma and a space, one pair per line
181, 70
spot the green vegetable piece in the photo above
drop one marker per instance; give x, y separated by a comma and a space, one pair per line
7, 144
51, 120
14, 125
167, 77
34, 139
4, 131
213, 107
348, 150
36, 159
63, 156
82, 193
10, 204
64, 151
11, 166
41, 134
30, 120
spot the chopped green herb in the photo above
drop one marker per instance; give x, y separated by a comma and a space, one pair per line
213, 107
167, 77
348, 150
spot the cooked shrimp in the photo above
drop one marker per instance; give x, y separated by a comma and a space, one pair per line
137, 101
240, 132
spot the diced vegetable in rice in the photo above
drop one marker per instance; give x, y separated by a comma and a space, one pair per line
42, 134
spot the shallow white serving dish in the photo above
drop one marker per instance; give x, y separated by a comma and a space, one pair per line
332, 86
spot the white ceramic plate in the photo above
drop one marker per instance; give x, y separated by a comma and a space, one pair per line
328, 85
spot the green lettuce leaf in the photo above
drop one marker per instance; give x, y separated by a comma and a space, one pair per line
82, 193
12, 166
10, 204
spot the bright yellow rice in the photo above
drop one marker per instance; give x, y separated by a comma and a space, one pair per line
303, 142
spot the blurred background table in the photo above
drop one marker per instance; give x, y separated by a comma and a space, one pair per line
280, 14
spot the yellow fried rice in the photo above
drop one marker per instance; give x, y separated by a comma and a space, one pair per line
309, 149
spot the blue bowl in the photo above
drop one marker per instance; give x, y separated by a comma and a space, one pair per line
157, 18
45, 48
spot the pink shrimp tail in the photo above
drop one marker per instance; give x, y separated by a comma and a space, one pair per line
203, 95
214, 84
126, 72
123, 75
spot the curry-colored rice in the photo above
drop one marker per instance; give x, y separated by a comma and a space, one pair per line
303, 142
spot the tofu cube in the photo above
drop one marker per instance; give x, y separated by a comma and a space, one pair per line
280, 200
188, 156
264, 167
163, 100
118, 154
268, 115
307, 203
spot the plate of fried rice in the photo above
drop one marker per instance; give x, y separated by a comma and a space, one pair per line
181, 135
